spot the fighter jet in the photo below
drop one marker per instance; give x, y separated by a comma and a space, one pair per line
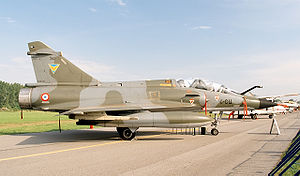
62, 87
250, 102
270, 111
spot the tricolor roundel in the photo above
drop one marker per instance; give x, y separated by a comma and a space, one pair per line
45, 97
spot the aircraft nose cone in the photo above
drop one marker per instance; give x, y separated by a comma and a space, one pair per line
264, 103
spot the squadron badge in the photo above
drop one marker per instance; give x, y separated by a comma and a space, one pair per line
53, 67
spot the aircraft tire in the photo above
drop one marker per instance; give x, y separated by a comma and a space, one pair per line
203, 130
271, 116
120, 129
214, 131
255, 116
240, 116
125, 133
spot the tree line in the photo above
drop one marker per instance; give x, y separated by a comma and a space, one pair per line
9, 93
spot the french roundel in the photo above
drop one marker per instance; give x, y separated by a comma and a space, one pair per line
45, 97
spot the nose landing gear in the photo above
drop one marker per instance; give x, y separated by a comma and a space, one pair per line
214, 124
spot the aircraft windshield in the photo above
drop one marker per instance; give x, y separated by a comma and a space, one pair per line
205, 85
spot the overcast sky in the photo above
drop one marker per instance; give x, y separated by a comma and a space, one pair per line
238, 43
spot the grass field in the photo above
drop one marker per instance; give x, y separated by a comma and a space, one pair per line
33, 121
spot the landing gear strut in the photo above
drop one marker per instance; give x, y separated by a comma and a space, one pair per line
214, 124
126, 133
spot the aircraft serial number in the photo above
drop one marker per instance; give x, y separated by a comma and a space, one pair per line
226, 101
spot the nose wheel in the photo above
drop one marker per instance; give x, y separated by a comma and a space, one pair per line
214, 131
125, 133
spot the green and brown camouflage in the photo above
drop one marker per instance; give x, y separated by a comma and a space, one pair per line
64, 88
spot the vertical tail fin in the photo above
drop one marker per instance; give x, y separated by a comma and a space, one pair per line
52, 67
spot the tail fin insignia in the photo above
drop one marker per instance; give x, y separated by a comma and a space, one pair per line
53, 67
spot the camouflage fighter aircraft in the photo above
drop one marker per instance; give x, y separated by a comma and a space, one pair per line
62, 87
250, 102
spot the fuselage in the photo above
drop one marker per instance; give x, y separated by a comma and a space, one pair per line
173, 105
144, 93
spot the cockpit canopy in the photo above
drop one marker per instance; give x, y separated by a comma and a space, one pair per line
205, 85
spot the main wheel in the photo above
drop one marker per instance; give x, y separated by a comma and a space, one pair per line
255, 116
271, 116
240, 116
120, 129
203, 130
125, 133
214, 131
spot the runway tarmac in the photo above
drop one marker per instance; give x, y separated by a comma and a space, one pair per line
243, 147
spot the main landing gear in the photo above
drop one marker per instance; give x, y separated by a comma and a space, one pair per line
253, 116
126, 133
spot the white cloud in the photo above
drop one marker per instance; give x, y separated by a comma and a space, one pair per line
277, 71
21, 61
17, 69
92, 10
103, 72
119, 2
201, 27
282, 66
94, 67
8, 19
